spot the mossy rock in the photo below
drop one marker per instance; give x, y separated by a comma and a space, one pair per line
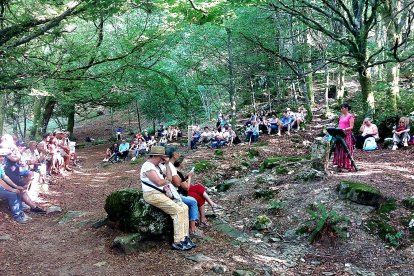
360, 193
408, 203
282, 170
218, 152
128, 211
275, 161
309, 175
202, 166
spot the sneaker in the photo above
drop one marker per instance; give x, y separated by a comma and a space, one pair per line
23, 218
133, 158
189, 242
182, 246
37, 210
405, 144
105, 160
395, 147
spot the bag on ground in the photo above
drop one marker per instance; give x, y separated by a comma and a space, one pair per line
370, 144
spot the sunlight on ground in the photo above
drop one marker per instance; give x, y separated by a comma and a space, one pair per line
131, 171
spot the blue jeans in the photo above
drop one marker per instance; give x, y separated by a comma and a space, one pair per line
15, 202
253, 136
192, 207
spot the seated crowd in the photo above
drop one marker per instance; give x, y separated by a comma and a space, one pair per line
141, 144
21, 165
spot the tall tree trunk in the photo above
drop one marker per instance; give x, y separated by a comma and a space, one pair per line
3, 107
232, 82
327, 84
340, 90
37, 112
308, 107
367, 92
49, 106
138, 117
309, 75
71, 121
253, 96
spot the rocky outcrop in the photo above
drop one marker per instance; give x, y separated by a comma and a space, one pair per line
128, 211
320, 154
360, 193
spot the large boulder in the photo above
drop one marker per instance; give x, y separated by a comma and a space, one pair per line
360, 193
128, 211
320, 154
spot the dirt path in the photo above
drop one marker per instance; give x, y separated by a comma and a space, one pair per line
46, 247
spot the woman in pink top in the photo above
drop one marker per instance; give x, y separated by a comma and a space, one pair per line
346, 123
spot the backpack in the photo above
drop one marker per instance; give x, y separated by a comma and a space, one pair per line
370, 144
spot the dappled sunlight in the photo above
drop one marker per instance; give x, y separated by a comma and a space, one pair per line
104, 173
131, 171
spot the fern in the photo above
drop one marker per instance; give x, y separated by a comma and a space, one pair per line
324, 222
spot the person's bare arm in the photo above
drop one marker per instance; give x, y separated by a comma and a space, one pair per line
9, 187
153, 176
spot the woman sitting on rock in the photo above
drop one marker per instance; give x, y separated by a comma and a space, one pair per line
152, 174
401, 133
197, 191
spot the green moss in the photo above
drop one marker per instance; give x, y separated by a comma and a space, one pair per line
359, 186
276, 205
381, 228
252, 153
408, 203
202, 166
282, 170
99, 142
275, 161
218, 152
388, 206
262, 222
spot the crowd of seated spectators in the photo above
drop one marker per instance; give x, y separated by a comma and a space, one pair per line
263, 123
140, 144
222, 135
22, 164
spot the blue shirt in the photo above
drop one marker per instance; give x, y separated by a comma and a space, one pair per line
124, 147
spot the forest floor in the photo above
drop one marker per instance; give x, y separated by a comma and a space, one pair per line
56, 244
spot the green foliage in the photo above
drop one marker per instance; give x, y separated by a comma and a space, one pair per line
218, 152
388, 206
98, 142
394, 239
275, 161
262, 222
202, 166
408, 203
282, 170
252, 153
324, 222
276, 205
265, 194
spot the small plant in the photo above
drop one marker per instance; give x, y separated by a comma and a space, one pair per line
262, 222
218, 152
322, 223
252, 153
276, 205
394, 239
202, 166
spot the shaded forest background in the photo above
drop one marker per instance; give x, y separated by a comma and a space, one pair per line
183, 61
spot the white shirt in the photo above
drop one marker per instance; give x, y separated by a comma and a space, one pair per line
146, 167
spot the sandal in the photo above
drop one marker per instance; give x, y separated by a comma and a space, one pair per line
197, 233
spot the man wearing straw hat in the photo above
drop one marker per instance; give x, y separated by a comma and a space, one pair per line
152, 181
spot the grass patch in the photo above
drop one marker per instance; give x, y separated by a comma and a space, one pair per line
218, 152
